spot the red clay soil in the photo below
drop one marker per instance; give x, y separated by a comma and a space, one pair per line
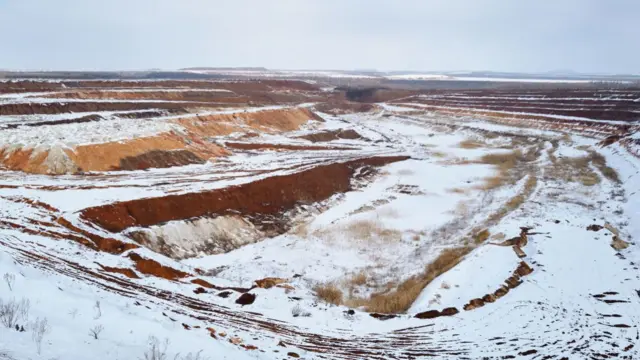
78, 120
332, 135
152, 267
287, 119
203, 283
126, 272
109, 245
163, 150
235, 86
28, 86
208, 285
344, 107
602, 114
33, 203
263, 197
75, 107
256, 146
194, 95
540, 119
160, 159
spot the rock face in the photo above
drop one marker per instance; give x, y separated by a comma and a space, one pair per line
205, 236
594, 227
512, 282
268, 283
246, 299
619, 244
474, 304
152, 267
254, 199
432, 314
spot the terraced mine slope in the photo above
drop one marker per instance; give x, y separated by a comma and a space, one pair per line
279, 219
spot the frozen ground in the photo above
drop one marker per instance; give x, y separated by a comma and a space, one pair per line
580, 301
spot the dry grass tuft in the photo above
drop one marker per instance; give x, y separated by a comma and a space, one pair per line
601, 163
509, 166
366, 230
515, 201
329, 292
471, 144
457, 191
359, 279
405, 294
359, 231
438, 154
580, 170
481, 236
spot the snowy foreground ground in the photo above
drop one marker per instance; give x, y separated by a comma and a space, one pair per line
581, 301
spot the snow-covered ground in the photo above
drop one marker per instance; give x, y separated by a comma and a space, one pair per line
581, 299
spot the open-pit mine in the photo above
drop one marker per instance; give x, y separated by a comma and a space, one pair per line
293, 218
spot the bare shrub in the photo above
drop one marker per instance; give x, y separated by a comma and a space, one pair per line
73, 313
25, 306
157, 350
11, 312
5, 355
191, 356
10, 279
299, 311
39, 330
329, 292
95, 331
98, 310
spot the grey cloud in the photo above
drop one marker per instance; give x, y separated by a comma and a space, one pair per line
506, 35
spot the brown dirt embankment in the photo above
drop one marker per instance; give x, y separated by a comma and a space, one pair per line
161, 151
22, 160
270, 121
76, 107
166, 95
28, 86
541, 110
154, 268
332, 135
345, 107
124, 271
235, 86
272, 195
142, 153
264, 146
159, 159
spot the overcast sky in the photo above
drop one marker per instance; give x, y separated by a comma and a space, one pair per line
500, 35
